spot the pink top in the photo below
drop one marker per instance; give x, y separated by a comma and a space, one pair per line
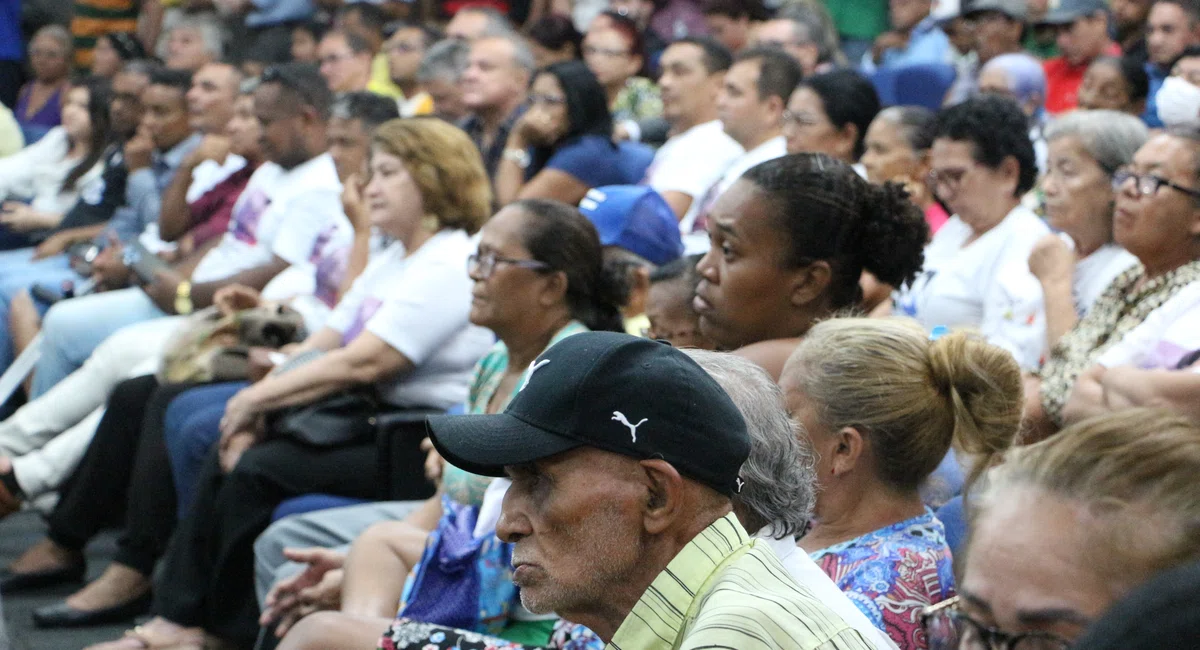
935, 216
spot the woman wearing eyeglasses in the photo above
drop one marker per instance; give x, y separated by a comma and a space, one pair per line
399, 339
976, 272
1157, 219
539, 277
563, 146
1066, 527
615, 52
1075, 265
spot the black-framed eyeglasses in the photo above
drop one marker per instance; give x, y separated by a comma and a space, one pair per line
1148, 184
482, 265
947, 627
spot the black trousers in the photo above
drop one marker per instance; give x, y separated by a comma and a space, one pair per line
124, 475
207, 577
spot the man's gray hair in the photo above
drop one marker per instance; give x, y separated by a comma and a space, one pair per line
497, 23
210, 33
522, 54
1109, 137
446, 59
780, 477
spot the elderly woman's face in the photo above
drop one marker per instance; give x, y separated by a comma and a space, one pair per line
1157, 226
1029, 568
392, 196
575, 522
547, 115
48, 58
506, 294
889, 156
1078, 192
970, 189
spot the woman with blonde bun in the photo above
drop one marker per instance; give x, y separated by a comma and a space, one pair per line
882, 405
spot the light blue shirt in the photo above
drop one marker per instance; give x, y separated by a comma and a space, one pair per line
1157, 77
927, 44
274, 12
143, 193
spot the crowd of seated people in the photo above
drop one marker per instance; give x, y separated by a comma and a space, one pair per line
586, 323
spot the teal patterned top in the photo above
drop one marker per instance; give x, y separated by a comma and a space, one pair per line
465, 487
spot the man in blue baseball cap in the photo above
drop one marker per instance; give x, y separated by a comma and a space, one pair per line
639, 233
623, 454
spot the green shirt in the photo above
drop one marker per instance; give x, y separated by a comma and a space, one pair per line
859, 19
725, 590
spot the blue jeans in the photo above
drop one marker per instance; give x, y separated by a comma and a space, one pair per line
18, 272
191, 428
73, 328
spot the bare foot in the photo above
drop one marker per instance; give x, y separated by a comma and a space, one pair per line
45, 556
118, 585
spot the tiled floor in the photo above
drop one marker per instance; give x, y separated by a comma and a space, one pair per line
17, 533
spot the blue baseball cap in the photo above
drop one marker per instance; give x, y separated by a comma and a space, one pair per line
635, 218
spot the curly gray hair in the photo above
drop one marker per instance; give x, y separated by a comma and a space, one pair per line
779, 478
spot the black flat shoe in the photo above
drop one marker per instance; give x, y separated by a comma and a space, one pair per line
62, 615
12, 583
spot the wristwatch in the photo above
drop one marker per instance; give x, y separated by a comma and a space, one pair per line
519, 156
183, 298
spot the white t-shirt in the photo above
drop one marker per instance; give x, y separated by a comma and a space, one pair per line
209, 173
418, 304
312, 288
280, 213
985, 286
1095, 272
692, 162
809, 575
1168, 334
696, 241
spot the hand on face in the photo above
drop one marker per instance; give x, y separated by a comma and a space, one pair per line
138, 150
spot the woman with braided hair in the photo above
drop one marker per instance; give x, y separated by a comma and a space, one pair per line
789, 242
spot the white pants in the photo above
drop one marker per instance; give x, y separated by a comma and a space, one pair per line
49, 436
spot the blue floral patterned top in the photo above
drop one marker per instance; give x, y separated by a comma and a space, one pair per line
891, 574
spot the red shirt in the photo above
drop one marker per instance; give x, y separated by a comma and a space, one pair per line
1063, 80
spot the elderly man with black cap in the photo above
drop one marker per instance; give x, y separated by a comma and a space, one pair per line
623, 455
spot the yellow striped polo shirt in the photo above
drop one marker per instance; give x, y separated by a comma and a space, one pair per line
726, 590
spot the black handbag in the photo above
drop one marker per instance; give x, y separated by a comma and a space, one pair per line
337, 420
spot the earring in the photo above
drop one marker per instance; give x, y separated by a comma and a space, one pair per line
430, 223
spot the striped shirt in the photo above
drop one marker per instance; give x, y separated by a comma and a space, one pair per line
94, 18
726, 590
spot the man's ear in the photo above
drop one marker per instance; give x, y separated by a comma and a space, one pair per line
664, 496
810, 282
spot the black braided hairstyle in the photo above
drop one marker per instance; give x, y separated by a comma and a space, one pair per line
831, 214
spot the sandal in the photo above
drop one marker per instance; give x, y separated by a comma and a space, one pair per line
155, 635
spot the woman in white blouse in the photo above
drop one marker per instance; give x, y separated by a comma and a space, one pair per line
1074, 266
40, 183
976, 272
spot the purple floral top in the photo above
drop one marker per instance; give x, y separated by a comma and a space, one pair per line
891, 574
